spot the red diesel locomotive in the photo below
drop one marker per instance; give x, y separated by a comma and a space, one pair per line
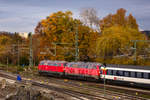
70, 69
51, 67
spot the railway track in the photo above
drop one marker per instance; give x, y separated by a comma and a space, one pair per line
94, 93
98, 91
74, 94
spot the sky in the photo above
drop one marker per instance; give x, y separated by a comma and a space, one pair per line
23, 15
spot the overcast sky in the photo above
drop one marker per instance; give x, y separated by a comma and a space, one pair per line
23, 15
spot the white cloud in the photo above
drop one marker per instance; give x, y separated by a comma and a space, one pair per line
23, 15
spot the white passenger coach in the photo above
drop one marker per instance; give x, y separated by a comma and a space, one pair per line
127, 74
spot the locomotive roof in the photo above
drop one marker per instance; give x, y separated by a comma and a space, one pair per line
86, 63
50, 61
129, 66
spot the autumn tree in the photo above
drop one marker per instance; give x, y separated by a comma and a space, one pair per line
118, 19
57, 32
117, 32
117, 41
10, 46
131, 22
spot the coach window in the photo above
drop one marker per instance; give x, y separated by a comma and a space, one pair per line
132, 74
114, 72
139, 75
121, 73
126, 74
117, 73
145, 75
109, 72
142, 75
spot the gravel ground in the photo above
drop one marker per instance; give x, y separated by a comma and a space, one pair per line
9, 89
27, 92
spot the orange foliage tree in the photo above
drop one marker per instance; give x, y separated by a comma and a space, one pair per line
57, 36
